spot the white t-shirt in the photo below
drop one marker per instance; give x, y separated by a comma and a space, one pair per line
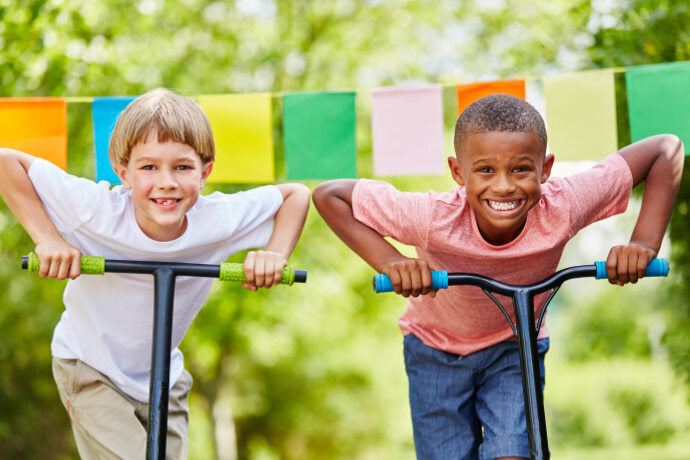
108, 320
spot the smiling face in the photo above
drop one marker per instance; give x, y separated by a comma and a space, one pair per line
502, 172
165, 179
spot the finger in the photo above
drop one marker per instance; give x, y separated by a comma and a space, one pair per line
405, 283
623, 275
249, 287
415, 283
426, 281
75, 266
642, 263
269, 271
278, 270
395, 281
612, 266
63, 269
259, 270
249, 267
633, 260
53, 268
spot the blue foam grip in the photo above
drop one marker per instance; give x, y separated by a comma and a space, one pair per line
439, 280
656, 267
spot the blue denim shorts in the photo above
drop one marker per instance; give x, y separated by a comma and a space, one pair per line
468, 407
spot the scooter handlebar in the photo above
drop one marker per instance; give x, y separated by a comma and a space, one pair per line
439, 279
229, 271
655, 267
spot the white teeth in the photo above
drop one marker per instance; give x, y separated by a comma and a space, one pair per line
503, 206
166, 202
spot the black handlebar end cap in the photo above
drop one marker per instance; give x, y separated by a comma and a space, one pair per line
300, 276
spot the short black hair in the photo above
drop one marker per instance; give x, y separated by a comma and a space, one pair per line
499, 112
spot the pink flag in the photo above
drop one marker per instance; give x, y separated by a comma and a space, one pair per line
407, 130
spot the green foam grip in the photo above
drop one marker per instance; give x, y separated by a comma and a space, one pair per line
235, 272
90, 265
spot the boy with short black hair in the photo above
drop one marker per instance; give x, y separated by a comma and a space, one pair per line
507, 220
162, 149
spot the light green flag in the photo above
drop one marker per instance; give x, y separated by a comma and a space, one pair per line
659, 100
581, 115
319, 133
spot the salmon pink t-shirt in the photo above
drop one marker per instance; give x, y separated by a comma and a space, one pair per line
443, 228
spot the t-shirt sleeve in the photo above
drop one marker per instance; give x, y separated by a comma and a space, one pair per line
400, 215
601, 192
68, 200
252, 215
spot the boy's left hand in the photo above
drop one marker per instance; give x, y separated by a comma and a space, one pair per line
263, 269
628, 262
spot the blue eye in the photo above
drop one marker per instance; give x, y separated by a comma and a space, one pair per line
148, 167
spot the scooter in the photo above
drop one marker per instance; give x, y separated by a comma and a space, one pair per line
524, 328
164, 274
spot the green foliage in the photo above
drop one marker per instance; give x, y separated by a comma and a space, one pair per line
614, 325
641, 414
315, 371
648, 32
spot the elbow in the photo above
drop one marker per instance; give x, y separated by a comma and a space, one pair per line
325, 192
673, 152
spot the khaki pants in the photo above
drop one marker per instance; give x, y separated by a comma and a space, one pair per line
109, 424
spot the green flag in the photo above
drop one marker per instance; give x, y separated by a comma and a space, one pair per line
319, 133
658, 100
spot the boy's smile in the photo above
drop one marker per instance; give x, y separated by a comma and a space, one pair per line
165, 179
502, 172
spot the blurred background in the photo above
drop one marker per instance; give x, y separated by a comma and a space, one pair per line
316, 371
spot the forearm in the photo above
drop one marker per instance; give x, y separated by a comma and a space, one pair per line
661, 186
20, 196
336, 210
289, 220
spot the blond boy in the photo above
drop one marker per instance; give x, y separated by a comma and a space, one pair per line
162, 149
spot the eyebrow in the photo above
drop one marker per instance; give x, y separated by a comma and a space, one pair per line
156, 160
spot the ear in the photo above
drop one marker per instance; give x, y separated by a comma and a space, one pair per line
121, 171
546, 168
455, 170
206, 171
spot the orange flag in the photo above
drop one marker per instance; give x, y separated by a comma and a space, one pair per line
467, 93
35, 125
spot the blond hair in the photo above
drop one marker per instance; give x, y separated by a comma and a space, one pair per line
170, 117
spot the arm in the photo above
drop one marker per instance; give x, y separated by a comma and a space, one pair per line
59, 259
264, 268
658, 161
333, 200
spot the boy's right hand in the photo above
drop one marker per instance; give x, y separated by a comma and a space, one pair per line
410, 277
58, 259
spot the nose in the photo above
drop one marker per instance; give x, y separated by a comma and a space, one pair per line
166, 179
503, 185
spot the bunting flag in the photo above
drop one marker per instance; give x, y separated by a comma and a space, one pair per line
467, 93
658, 100
407, 130
105, 111
581, 115
319, 133
243, 132
37, 126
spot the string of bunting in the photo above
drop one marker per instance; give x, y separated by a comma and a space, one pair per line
406, 123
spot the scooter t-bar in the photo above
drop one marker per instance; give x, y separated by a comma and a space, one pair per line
524, 328
164, 274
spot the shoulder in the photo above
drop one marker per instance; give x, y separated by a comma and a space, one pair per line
267, 197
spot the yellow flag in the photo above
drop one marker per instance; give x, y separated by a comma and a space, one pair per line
243, 134
581, 115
